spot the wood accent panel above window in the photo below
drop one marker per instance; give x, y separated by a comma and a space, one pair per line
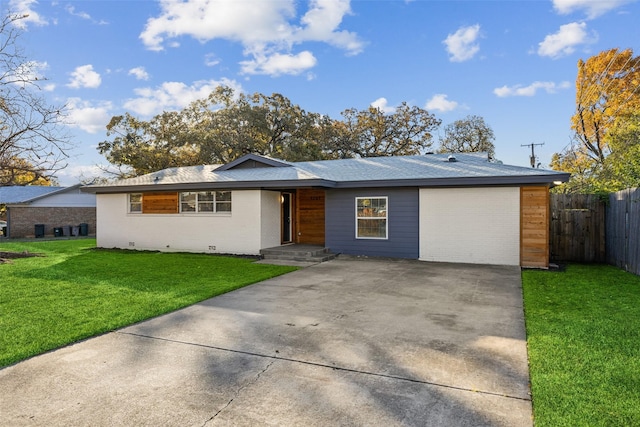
160, 203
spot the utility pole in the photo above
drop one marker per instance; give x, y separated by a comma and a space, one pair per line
532, 158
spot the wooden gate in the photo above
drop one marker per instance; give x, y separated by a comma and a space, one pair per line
577, 228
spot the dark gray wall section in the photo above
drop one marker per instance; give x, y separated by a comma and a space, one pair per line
403, 223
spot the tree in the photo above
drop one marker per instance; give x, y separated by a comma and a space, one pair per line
606, 92
468, 135
605, 124
372, 133
217, 129
33, 145
21, 173
141, 147
226, 125
267, 125
621, 168
580, 166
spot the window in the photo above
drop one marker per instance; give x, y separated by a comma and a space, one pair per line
223, 201
205, 201
371, 217
135, 203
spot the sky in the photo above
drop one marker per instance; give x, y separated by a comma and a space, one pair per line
513, 63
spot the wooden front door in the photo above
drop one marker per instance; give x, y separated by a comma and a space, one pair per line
310, 216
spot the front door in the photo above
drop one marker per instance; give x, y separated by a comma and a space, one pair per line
310, 216
287, 223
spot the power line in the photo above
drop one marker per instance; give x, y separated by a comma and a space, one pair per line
532, 158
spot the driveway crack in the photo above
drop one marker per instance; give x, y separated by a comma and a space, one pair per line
334, 367
238, 391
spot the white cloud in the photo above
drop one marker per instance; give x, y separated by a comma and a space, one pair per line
462, 45
593, 8
72, 175
278, 63
84, 77
439, 102
139, 72
211, 60
321, 23
30, 71
564, 42
519, 90
24, 7
88, 117
173, 96
72, 11
265, 29
383, 105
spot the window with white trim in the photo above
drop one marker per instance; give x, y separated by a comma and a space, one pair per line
135, 203
371, 217
205, 201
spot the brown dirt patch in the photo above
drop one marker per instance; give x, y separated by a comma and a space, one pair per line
6, 257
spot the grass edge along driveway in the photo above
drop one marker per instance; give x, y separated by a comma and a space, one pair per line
583, 336
75, 292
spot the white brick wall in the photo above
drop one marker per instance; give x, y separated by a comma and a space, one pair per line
470, 225
240, 232
270, 218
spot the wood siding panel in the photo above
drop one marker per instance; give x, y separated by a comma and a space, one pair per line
534, 227
310, 216
403, 222
160, 203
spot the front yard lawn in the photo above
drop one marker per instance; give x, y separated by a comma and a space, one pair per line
75, 291
583, 333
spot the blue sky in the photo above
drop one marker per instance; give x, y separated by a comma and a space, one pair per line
511, 62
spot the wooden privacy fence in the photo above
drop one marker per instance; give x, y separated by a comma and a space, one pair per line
577, 229
623, 230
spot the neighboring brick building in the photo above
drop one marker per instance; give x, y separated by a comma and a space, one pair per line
64, 211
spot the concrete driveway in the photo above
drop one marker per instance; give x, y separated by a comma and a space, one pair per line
348, 342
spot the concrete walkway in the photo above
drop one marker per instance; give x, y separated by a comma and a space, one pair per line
348, 342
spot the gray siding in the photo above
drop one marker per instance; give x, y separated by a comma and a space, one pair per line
403, 223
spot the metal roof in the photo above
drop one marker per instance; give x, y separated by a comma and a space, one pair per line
24, 193
431, 170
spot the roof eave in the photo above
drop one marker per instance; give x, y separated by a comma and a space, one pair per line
52, 193
549, 179
240, 185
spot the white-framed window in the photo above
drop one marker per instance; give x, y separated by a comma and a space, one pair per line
205, 201
371, 217
135, 203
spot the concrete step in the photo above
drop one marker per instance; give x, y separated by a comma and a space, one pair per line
298, 253
295, 253
291, 257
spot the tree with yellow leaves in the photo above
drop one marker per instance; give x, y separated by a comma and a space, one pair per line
607, 91
607, 106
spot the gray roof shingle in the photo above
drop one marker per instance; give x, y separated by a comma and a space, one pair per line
425, 170
21, 194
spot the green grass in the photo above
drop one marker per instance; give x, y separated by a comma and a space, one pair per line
583, 333
74, 291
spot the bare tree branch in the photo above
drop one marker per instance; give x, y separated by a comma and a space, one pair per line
34, 143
